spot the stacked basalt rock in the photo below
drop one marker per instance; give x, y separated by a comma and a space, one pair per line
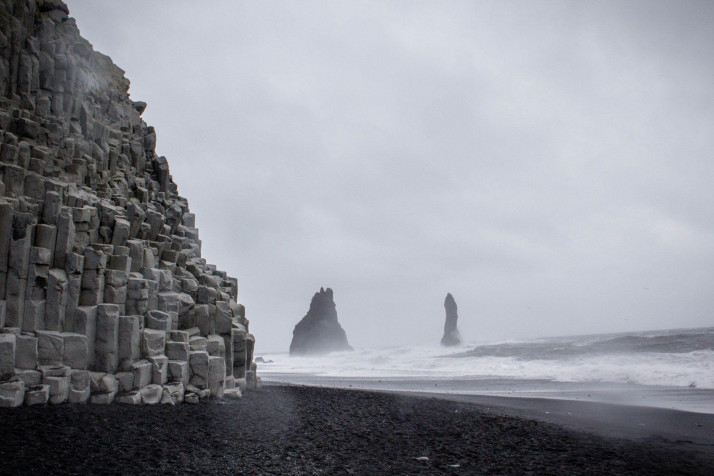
104, 296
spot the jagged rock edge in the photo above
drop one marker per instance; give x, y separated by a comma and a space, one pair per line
104, 295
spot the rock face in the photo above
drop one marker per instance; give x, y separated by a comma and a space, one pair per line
451, 332
104, 295
319, 332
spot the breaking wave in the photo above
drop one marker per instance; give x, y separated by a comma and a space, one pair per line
678, 358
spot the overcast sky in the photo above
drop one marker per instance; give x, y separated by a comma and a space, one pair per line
551, 164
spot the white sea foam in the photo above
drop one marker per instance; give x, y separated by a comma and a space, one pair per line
646, 368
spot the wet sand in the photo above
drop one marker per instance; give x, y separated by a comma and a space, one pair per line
699, 400
685, 430
305, 430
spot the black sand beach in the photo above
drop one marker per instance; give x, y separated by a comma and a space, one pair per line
689, 430
303, 430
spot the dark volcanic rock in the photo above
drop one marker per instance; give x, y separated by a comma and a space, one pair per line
451, 332
101, 275
306, 430
319, 332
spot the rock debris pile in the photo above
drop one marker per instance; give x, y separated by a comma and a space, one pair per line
104, 296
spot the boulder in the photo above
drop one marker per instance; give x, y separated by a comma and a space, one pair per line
130, 398
84, 321
216, 376
106, 346
151, 394
102, 398
104, 387
240, 353
12, 394
215, 345
179, 371
158, 320
37, 395
198, 343
129, 341
26, 356
153, 342
50, 347
29, 377
59, 388
79, 387
198, 363
142, 371
177, 351
173, 393
76, 350
8, 347
159, 369
126, 381
233, 393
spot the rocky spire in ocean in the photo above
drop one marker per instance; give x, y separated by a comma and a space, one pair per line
451, 332
319, 332
104, 295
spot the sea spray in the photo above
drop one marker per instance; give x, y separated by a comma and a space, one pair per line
678, 358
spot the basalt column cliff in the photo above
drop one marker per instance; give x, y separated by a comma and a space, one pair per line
104, 295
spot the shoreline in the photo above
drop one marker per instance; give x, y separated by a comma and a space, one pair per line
686, 429
287, 429
690, 430
693, 400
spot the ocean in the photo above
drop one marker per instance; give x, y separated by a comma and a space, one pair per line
670, 368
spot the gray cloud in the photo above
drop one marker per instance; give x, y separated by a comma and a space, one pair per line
548, 163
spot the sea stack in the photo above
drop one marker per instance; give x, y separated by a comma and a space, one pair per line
319, 332
104, 295
451, 332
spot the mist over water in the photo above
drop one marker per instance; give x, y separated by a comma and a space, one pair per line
547, 163
671, 368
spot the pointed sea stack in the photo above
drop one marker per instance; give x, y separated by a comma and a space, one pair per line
451, 332
319, 332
